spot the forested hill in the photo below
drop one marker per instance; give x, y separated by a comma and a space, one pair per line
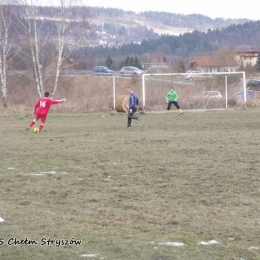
196, 21
152, 20
242, 36
110, 31
198, 33
193, 21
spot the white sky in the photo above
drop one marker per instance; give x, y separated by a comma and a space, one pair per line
212, 8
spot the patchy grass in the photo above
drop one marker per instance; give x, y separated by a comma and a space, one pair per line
171, 178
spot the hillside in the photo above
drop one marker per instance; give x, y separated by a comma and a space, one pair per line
166, 33
93, 34
242, 36
160, 23
113, 27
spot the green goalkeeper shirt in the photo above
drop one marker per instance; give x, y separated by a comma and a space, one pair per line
171, 96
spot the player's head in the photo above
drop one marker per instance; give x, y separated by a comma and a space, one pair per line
46, 94
129, 89
172, 89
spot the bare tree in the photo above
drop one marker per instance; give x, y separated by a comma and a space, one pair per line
62, 17
5, 46
30, 32
62, 26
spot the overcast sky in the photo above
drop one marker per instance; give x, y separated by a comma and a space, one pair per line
213, 8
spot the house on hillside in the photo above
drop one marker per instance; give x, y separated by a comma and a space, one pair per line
210, 64
246, 58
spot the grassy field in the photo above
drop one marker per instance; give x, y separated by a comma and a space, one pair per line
130, 194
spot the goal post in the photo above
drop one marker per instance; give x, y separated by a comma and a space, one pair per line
219, 90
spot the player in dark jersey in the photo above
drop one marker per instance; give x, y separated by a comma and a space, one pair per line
133, 105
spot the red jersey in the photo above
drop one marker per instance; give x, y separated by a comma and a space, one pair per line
43, 105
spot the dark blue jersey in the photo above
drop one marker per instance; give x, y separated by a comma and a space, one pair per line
133, 101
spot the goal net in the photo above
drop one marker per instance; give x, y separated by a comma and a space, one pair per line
218, 90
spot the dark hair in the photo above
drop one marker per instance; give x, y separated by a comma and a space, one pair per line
46, 94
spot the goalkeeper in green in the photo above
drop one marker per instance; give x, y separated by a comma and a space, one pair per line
172, 98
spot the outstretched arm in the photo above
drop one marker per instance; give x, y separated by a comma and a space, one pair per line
58, 101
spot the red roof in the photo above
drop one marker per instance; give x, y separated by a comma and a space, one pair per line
248, 51
207, 61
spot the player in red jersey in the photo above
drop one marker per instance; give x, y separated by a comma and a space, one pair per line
41, 109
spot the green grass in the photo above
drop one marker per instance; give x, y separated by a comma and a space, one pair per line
171, 178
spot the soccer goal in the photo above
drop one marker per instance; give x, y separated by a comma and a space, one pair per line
220, 90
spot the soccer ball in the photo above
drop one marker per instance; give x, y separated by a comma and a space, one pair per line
36, 130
